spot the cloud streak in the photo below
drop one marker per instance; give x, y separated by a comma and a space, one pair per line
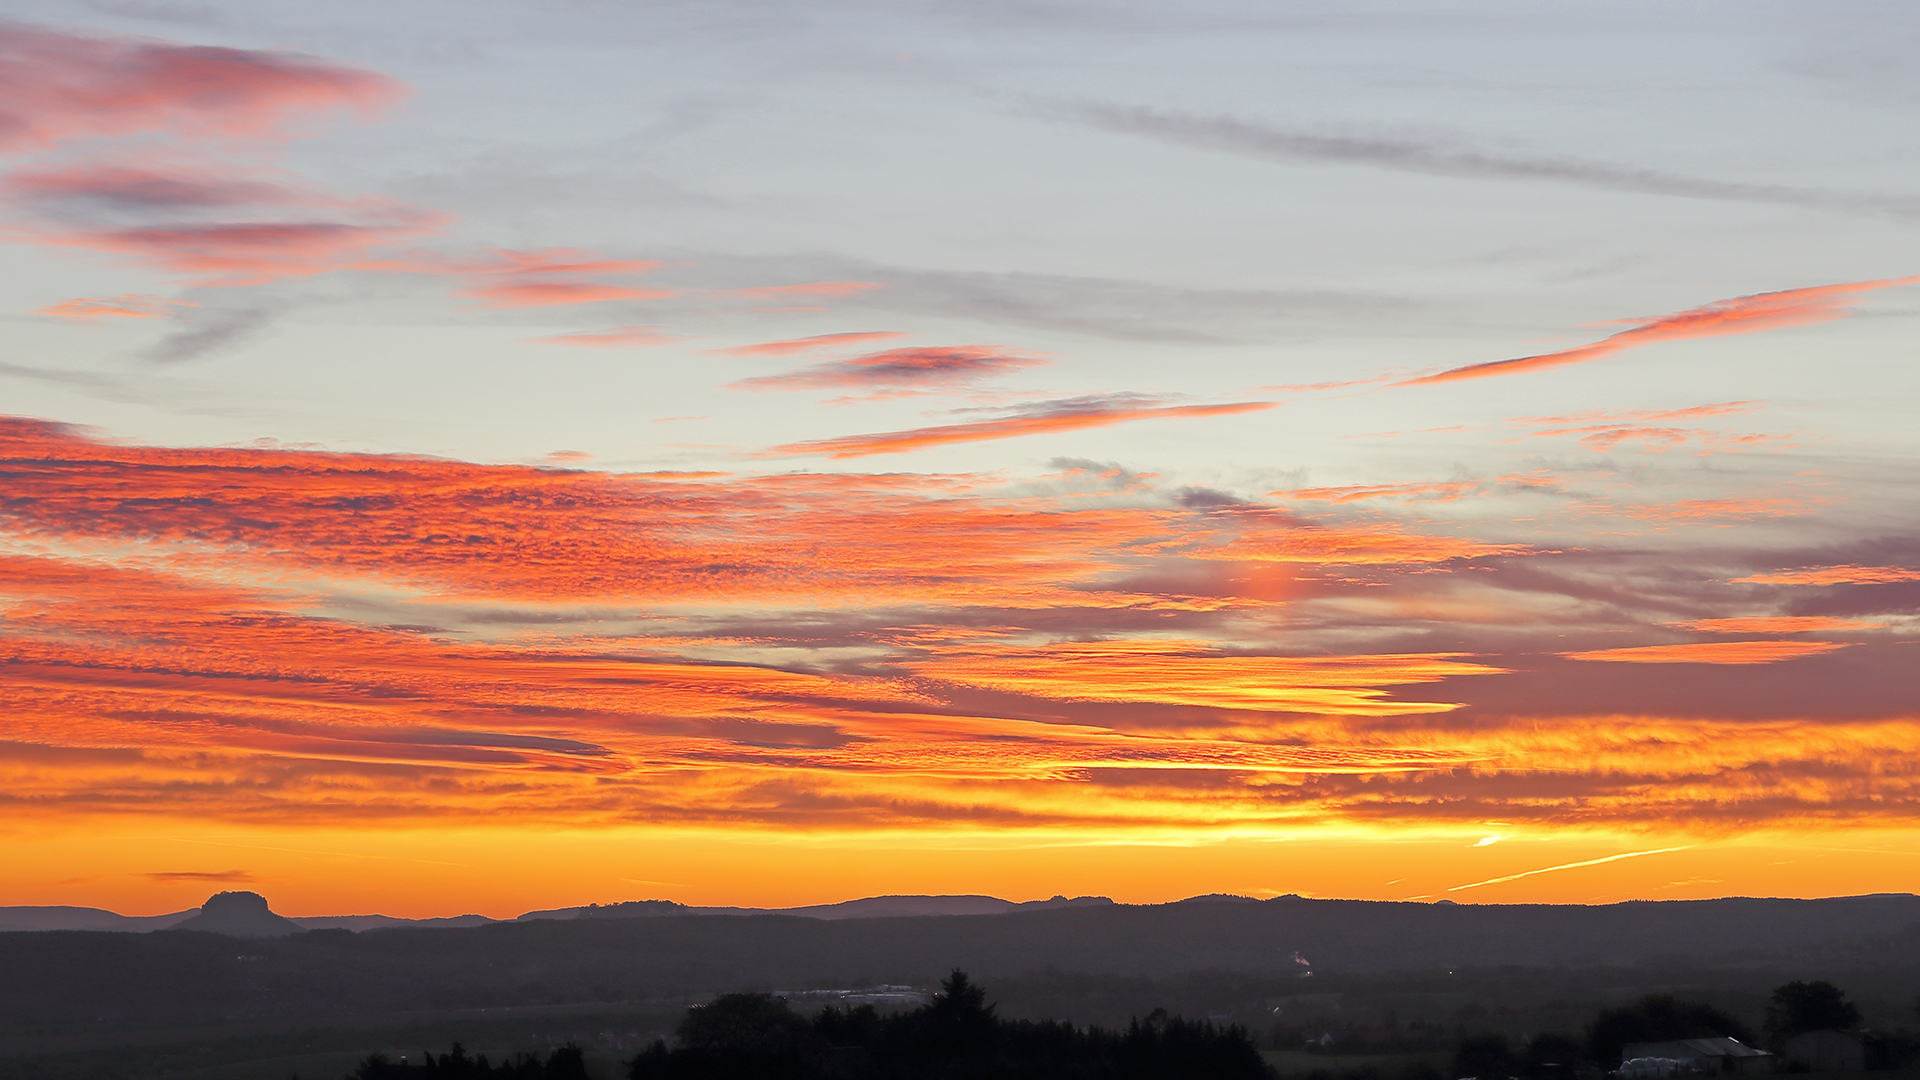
1740, 315
1711, 652
1834, 575
1235, 136
1074, 414
619, 337
809, 344
913, 369
124, 306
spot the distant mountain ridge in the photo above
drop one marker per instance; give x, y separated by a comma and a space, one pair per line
63, 917
13, 919
1329, 927
871, 907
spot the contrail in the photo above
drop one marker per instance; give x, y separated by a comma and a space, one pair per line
1569, 866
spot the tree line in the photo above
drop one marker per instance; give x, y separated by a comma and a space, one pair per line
955, 1036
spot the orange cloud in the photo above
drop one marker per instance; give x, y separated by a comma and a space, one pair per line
808, 344
1712, 652
124, 306
1197, 673
1448, 491
294, 638
1072, 415
1730, 508
1356, 546
1834, 575
1775, 624
1740, 315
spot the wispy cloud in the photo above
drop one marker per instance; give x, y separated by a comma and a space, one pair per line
1740, 315
1834, 575
211, 331
1654, 429
211, 876
1711, 652
810, 288
1775, 624
1568, 866
809, 344
124, 306
619, 337
912, 369
1072, 414
1434, 158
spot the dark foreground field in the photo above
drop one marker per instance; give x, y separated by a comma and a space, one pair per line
1384, 978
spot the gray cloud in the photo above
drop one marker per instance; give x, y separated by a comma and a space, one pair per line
1235, 136
208, 332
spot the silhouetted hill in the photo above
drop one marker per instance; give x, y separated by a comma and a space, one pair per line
358, 923
66, 977
238, 914
871, 907
86, 918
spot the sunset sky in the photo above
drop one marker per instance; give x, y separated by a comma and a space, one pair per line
489, 456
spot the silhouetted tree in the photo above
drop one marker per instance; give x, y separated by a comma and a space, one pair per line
751, 1025
1483, 1056
1655, 1018
1550, 1054
1808, 1006
955, 1036
566, 1063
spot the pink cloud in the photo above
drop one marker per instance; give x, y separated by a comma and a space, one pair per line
124, 306
806, 344
208, 210
132, 187
554, 277
1740, 315
569, 261
56, 87
616, 338
250, 253
526, 294
1603, 430
1072, 415
913, 368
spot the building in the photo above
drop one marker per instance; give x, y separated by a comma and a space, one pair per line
1719, 1054
1827, 1051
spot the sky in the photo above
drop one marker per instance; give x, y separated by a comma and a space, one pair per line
494, 456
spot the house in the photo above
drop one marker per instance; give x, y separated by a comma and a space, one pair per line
1827, 1051
1719, 1054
